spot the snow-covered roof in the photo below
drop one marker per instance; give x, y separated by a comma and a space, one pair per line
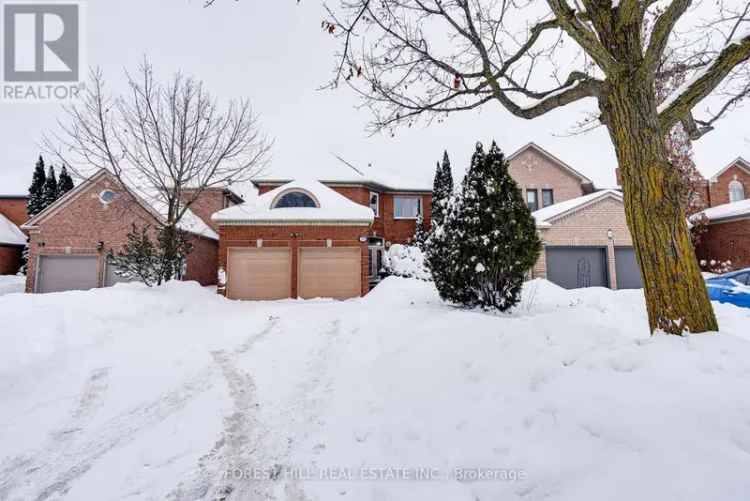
727, 211
339, 171
739, 162
547, 214
533, 146
10, 234
332, 207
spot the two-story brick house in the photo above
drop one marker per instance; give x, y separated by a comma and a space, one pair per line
727, 236
12, 240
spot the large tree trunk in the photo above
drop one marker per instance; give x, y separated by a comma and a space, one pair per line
676, 296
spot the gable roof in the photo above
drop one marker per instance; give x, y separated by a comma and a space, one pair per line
342, 172
333, 208
190, 222
10, 234
546, 216
739, 162
533, 146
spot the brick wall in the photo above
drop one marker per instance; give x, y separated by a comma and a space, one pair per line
386, 226
210, 201
78, 226
294, 237
14, 209
589, 227
720, 188
534, 171
10, 259
728, 241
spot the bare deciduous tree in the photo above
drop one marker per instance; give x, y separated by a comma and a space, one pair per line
165, 143
423, 59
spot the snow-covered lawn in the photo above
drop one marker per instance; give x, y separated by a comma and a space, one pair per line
130, 393
10, 284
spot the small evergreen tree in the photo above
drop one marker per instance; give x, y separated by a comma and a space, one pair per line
480, 254
49, 194
421, 233
442, 190
65, 183
35, 205
138, 260
174, 247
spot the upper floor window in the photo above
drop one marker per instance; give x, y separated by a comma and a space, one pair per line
295, 199
107, 196
531, 200
407, 207
548, 198
375, 203
736, 191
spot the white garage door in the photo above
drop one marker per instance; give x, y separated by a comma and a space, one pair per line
334, 272
259, 274
66, 273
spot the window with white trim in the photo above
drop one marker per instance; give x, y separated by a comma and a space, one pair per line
295, 199
407, 207
531, 200
736, 191
375, 203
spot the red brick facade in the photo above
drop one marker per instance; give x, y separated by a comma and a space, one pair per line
726, 241
386, 226
84, 225
10, 259
14, 208
719, 186
294, 237
210, 201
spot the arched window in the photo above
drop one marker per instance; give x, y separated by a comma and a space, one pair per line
295, 199
736, 191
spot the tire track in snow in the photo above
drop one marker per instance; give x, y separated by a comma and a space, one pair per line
240, 439
90, 399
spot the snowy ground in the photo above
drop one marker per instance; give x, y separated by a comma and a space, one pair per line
175, 393
10, 284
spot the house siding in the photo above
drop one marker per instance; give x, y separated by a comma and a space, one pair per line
10, 259
588, 227
386, 226
294, 237
14, 209
719, 187
728, 241
77, 227
534, 171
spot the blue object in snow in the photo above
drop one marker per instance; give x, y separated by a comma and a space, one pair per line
731, 288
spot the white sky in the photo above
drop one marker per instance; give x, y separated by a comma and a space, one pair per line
275, 53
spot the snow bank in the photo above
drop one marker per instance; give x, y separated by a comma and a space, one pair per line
158, 393
406, 261
11, 284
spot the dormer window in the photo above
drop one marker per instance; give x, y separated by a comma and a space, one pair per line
293, 199
736, 191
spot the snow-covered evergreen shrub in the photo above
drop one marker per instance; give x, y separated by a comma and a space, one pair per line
405, 261
482, 251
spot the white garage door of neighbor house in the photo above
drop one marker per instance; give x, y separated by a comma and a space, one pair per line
111, 277
334, 272
259, 274
66, 273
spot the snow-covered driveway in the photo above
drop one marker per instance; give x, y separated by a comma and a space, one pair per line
175, 393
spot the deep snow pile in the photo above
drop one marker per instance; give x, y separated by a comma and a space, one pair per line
10, 284
406, 261
152, 394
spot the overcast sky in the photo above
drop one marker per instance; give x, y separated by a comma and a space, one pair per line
275, 53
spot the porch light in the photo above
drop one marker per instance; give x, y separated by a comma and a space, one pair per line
610, 234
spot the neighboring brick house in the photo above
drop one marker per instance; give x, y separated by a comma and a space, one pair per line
71, 239
727, 235
12, 240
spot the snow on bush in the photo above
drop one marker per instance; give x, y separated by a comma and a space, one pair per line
405, 261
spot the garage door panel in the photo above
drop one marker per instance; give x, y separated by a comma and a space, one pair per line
65, 273
259, 274
628, 271
330, 272
577, 267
